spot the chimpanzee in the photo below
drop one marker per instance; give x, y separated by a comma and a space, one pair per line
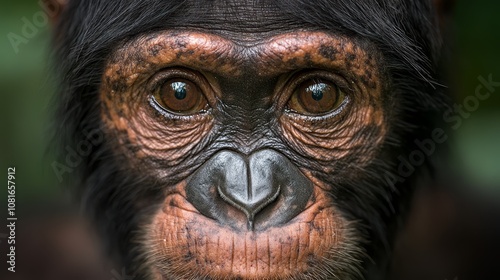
262, 139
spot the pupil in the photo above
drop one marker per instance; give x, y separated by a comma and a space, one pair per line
317, 91
180, 90
317, 95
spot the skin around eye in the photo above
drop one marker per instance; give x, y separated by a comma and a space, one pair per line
180, 96
316, 97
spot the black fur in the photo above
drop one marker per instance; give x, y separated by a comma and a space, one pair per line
405, 32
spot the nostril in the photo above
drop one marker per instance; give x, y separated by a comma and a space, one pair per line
265, 189
251, 201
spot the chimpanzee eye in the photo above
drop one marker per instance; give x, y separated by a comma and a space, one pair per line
180, 96
316, 97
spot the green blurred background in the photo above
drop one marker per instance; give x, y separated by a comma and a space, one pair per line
26, 88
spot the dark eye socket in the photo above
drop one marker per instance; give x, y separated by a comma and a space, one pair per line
316, 97
180, 96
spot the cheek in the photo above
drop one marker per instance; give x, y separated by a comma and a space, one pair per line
355, 136
141, 133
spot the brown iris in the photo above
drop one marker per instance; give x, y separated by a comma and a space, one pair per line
180, 96
316, 97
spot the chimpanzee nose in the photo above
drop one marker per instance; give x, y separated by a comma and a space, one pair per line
249, 184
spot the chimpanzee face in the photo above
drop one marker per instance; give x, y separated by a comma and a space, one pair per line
252, 129
250, 139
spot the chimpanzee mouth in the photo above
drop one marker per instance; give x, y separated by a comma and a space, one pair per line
184, 244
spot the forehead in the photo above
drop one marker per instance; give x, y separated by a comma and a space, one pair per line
239, 21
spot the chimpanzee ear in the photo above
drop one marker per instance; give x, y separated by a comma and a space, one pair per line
444, 9
54, 8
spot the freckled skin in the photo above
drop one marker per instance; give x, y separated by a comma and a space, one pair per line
182, 240
130, 68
